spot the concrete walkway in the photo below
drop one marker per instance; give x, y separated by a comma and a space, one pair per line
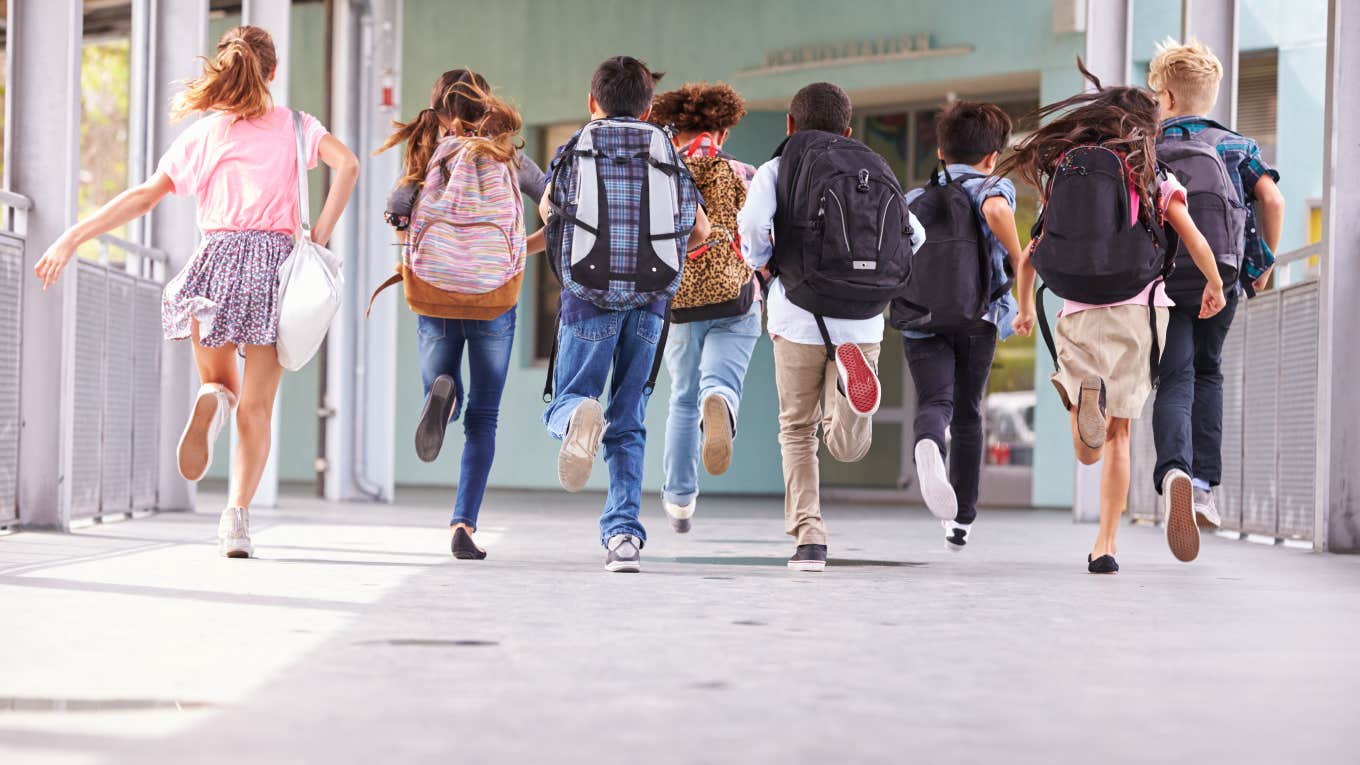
355, 638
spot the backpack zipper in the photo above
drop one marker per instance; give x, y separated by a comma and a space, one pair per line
883, 222
841, 208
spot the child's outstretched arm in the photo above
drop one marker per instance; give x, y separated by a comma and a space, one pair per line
129, 205
1270, 210
1179, 217
344, 173
1001, 220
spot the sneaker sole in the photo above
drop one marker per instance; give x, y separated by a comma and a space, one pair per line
939, 496
680, 525
577, 456
951, 547
1182, 533
858, 378
434, 419
623, 567
239, 552
194, 454
1090, 422
717, 451
807, 565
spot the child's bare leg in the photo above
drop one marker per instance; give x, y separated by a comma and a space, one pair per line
1114, 484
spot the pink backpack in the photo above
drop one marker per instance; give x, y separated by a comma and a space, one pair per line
464, 257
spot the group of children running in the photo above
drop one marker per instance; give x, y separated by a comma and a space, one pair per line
669, 252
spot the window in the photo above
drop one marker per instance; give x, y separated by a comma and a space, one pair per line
1257, 98
547, 290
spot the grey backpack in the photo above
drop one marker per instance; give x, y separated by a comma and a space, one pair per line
1213, 203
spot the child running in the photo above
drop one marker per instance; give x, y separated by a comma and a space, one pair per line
1103, 250
461, 200
240, 161
715, 316
840, 242
621, 211
958, 305
1228, 180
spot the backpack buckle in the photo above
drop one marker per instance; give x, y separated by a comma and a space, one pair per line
863, 180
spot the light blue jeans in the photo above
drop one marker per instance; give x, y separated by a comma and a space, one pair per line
704, 358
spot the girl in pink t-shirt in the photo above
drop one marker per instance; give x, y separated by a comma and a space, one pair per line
240, 162
1103, 374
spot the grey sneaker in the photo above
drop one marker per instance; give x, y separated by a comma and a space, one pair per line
623, 554
679, 515
233, 533
1207, 506
577, 455
1178, 516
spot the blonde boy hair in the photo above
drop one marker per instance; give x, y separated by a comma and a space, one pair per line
1190, 71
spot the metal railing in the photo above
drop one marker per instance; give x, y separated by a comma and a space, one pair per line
13, 224
116, 360
1270, 415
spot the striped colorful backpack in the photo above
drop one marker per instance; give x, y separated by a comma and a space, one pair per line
464, 256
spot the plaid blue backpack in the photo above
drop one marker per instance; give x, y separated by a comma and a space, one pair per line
622, 208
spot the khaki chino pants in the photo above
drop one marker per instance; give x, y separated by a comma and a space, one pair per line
806, 380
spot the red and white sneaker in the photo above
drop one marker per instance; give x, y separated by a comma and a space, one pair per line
856, 380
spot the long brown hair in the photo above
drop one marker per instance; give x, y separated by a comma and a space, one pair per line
236, 80
1123, 119
460, 102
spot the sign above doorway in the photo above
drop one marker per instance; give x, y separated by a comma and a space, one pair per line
853, 52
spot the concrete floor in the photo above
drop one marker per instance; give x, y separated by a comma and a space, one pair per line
356, 638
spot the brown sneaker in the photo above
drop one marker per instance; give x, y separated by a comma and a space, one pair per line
1091, 412
1178, 516
584, 434
717, 421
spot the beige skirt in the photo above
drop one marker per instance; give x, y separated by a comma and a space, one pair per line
1114, 344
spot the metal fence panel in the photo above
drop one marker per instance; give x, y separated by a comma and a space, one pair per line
92, 299
1260, 489
1229, 494
1298, 410
1142, 462
11, 263
146, 385
116, 468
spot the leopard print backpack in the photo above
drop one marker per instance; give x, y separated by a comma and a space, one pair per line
716, 282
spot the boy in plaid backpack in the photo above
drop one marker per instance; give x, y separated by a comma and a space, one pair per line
621, 212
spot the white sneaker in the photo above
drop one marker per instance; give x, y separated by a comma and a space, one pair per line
956, 535
623, 554
934, 479
577, 455
1178, 516
1207, 506
679, 515
212, 407
233, 533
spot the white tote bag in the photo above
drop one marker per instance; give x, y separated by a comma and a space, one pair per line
310, 282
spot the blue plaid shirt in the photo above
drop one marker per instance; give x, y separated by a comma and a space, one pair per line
1245, 168
623, 180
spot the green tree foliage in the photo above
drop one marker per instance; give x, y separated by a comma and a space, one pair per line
104, 87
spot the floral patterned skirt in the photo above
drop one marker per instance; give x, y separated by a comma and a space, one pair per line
231, 286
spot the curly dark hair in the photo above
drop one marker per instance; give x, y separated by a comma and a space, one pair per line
698, 107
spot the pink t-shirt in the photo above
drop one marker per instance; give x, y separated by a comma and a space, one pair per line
1170, 189
243, 172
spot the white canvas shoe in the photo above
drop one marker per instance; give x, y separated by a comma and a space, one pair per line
233, 533
212, 407
935, 487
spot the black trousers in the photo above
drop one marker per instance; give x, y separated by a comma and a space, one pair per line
950, 372
1187, 414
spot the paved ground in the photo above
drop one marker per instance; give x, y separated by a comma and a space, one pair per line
356, 639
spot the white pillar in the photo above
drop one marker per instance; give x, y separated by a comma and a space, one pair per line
1214, 23
178, 33
361, 361
44, 118
275, 17
1337, 525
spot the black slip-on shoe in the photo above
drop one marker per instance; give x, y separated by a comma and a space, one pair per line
462, 546
434, 418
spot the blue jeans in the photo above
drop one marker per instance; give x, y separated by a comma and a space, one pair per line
441, 343
587, 350
704, 358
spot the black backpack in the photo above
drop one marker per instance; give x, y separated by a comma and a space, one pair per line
1088, 248
1213, 203
951, 275
842, 233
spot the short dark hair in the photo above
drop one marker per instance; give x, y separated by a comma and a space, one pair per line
821, 106
970, 130
622, 86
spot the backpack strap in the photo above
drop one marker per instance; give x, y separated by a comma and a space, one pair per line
659, 356
391, 280
1155, 360
826, 336
552, 360
1044, 329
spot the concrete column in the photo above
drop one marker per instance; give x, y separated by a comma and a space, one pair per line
44, 118
361, 361
1214, 23
1338, 486
178, 32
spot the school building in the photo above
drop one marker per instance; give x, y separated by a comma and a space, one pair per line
345, 421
